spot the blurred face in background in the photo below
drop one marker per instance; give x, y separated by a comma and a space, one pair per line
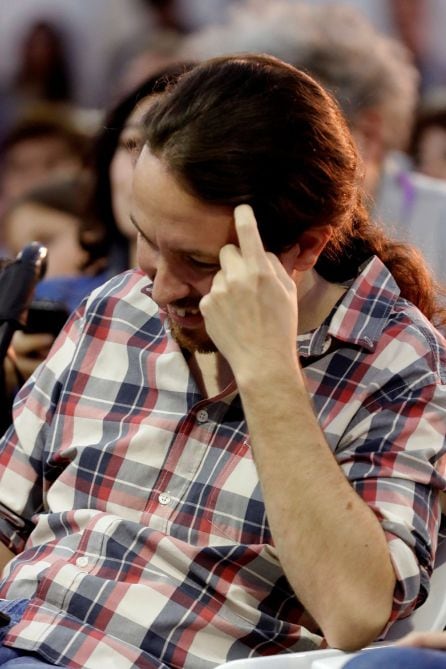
432, 152
33, 161
57, 230
129, 147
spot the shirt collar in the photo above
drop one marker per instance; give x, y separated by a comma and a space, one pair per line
360, 317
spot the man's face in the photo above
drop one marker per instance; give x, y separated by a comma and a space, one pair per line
179, 241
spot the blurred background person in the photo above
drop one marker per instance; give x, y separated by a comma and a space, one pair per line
100, 37
428, 143
91, 32
43, 73
42, 144
40, 72
375, 80
114, 155
147, 51
418, 24
51, 214
83, 221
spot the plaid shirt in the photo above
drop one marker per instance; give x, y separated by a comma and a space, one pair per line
151, 547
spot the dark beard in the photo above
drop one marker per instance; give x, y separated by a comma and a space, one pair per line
195, 342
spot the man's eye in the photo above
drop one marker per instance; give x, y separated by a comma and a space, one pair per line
131, 144
201, 264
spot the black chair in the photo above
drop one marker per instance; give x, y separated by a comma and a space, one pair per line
18, 279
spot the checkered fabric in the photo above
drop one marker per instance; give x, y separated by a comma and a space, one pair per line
151, 546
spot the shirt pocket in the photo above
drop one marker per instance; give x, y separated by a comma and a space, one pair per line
226, 503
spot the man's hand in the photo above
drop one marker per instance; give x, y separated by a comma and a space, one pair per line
251, 309
424, 640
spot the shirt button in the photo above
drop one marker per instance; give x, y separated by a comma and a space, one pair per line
82, 562
202, 416
163, 498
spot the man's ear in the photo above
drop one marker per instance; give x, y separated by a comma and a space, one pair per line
304, 254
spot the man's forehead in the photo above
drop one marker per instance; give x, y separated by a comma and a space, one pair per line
156, 187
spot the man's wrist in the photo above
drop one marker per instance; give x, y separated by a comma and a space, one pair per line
269, 372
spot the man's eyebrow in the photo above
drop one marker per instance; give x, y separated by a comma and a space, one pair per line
189, 252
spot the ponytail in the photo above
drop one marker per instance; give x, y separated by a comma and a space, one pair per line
351, 246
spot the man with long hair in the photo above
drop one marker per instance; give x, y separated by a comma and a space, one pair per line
231, 451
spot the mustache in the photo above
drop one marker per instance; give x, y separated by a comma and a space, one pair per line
186, 303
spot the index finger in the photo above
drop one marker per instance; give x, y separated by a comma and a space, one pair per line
251, 245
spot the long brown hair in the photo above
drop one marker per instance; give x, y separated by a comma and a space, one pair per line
253, 129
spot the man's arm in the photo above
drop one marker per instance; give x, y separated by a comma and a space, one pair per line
23, 445
331, 545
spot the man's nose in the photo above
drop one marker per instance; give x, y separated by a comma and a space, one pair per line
167, 285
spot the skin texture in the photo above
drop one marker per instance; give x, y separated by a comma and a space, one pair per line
251, 305
181, 263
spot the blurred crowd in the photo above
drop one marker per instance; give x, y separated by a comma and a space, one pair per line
77, 78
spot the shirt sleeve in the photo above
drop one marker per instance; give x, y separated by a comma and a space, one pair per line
23, 475
390, 456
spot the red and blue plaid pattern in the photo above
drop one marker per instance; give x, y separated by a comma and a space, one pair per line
151, 547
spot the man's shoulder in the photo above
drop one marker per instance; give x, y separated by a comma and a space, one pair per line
374, 316
409, 340
126, 296
127, 287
